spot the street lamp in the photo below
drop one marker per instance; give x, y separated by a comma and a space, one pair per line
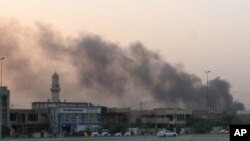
1, 70
1, 59
208, 104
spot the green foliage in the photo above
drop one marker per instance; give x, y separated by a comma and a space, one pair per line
115, 128
201, 125
87, 131
178, 129
149, 126
204, 125
226, 120
5, 131
137, 124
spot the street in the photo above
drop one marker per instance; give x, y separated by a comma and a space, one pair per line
216, 137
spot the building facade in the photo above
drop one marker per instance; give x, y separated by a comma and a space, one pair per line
70, 116
28, 121
4, 107
165, 117
55, 116
116, 116
156, 118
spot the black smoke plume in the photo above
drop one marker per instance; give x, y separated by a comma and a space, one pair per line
99, 71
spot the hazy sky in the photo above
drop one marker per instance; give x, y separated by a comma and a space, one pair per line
198, 34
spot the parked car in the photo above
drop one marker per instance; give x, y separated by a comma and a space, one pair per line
105, 133
223, 131
166, 133
95, 134
127, 133
118, 134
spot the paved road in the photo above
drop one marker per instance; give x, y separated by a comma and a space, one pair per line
136, 138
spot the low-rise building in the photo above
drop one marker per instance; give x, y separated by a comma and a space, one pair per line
117, 116
70, 116
162, 117
4, 107
244, 115
28, 121
56, 116
157, 118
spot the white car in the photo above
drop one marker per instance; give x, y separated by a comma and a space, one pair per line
105, 134
118, 134
166, 133
127, 134
223, 131
95, 134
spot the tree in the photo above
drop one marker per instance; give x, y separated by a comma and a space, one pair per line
201, 125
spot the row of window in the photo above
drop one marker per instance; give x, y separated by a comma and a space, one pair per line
22, 117
65, 118
83, 118
178, 117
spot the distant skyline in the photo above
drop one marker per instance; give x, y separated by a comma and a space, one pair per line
195, 35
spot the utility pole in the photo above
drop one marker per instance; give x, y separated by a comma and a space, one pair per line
208, 104
1, 110
141, 108
1, 92
116, 119
141, 118
1, 59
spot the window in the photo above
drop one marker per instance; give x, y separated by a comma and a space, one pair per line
91, 118
4, 101
13, 116
22, 118
68, 118
32, 117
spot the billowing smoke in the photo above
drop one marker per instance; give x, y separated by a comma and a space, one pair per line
94, 70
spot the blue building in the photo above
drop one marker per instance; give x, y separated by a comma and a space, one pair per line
78, 118
68, 116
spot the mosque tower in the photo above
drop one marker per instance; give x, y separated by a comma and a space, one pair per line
55, 88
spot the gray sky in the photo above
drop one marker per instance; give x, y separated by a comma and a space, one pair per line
198, 34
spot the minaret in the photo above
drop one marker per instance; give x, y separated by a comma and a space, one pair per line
55, 88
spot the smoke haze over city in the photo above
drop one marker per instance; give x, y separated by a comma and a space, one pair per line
94, 69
